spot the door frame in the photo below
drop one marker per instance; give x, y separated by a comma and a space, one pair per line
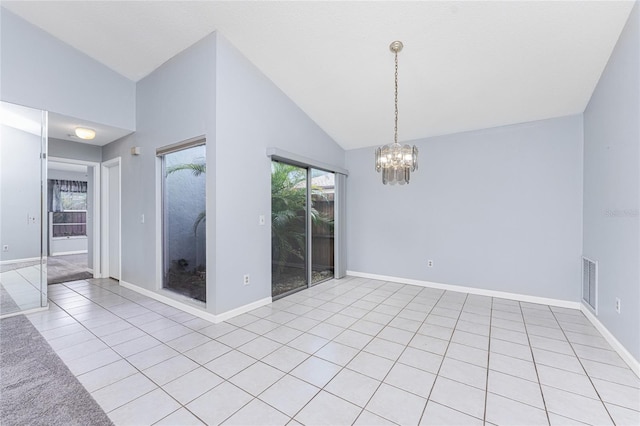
104, 252
97, 208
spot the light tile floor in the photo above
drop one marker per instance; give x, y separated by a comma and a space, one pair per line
352, 351
23, 286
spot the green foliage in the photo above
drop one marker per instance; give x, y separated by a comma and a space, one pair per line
196, 169
288, 212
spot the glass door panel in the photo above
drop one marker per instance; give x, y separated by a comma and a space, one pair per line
288, 228
23, 148
322, 230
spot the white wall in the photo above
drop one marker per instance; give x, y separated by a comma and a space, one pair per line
612, 186
20, 193
251, 115
42, 72
174, 103
496, 209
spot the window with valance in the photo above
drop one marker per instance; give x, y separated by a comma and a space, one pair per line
68, 202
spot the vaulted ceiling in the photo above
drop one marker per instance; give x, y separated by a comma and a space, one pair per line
466, 65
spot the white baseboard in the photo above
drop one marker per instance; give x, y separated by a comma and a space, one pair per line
472, 290
66, 253
194, 310
633, 363
28, 259
243, 309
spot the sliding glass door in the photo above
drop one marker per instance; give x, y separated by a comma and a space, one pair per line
301, 227
322, 229
288, 228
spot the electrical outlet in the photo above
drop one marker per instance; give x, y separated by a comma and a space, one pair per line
246, 279
617, 304
5, 247
429, 263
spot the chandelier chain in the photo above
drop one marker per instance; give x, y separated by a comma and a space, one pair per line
395, 129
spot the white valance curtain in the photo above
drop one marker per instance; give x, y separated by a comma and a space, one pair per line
56, 186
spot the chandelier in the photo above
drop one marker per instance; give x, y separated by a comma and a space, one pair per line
395, 161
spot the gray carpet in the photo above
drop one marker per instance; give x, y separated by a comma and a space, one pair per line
37, 388
62, 269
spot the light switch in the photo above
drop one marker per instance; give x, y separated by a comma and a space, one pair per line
261, 219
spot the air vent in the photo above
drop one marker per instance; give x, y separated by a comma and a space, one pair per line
590, 283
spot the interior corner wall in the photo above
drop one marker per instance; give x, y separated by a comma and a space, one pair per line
174, 103
251, 115
71, 83
496, 209
612, 186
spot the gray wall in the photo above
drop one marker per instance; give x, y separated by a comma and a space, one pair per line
74, 150
67, 175
71, 83
19, 192
174, 103
612, 186
496, 209
211, 89
251, 115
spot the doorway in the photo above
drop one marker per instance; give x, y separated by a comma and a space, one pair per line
111, 219
302, 227
72, 220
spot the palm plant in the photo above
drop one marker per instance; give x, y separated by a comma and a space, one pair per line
288, 218
196, 169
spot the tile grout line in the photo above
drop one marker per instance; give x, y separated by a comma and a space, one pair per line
405, 348
583, 369
486, 390
122, 358
354, 299
344, 367
424, 410
535, 364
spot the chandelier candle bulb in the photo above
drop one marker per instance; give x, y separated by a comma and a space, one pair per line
395, 161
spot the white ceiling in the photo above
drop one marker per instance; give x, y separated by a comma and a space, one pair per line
465, 66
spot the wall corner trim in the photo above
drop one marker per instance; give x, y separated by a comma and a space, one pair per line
243, 309
194, 310
471, 290
626, 356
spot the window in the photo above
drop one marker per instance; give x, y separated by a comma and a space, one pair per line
184, 218
68, 202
